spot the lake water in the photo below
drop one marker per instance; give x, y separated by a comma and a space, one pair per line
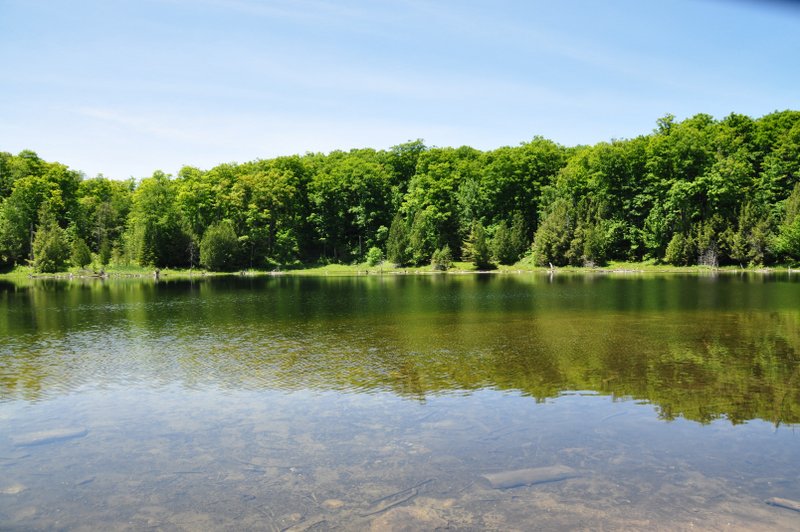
357, 403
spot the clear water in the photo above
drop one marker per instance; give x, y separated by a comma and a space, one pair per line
380, 402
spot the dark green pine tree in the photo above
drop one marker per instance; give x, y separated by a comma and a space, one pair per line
476, 248
397, 251
50, 247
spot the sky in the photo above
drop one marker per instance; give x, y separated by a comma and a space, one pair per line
124, 88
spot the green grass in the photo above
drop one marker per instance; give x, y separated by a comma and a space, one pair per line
19, 272
523, 266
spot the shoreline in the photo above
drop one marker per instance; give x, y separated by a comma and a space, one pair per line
363, 270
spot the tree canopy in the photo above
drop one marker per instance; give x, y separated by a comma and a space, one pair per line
696, 191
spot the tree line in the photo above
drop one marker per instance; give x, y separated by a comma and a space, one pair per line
697, 191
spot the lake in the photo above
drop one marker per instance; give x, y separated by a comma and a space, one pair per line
469, 402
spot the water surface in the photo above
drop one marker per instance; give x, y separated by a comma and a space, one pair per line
379, 402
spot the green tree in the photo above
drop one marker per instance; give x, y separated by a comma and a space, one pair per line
436, 194
402, 159
476, 248
704, 242
554, 235
512, 178
11, 242
350, 198
103, 208
80, 255
374, 256
588, 244
503, 248
105, 253
397, 244
520, 241
424, 237
787, 241
50, 247
442, 259
158, 234
268, 207
679, 250
219, 247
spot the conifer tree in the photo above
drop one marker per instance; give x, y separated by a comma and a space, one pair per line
397, 242
476, 248
80, 255
50, 248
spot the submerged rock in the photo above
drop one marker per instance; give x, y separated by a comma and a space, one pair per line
529, 477
332, 504
408, 519
784, 503
48, 436
12, 489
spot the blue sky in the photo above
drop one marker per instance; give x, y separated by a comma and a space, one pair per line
127, 87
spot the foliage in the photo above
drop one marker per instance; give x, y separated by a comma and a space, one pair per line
374, 256
727, 187
219, 246
50, 247
442, 259
157, 234
553, 238
350, 199
476, 248
520, 240
424, 237
80, 255
787, 241
397, 244
502, 247
679, 250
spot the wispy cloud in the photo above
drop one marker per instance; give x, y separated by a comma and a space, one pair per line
149, 125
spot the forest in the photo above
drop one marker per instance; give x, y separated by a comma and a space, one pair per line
698, 191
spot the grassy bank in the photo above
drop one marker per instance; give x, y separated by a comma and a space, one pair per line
27, 272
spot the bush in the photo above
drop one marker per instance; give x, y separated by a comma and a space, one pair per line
374, 256
442, 259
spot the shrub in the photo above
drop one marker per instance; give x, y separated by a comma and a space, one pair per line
442, 259
374, 256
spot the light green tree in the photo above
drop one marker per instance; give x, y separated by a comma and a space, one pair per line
787, 241
374, 256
